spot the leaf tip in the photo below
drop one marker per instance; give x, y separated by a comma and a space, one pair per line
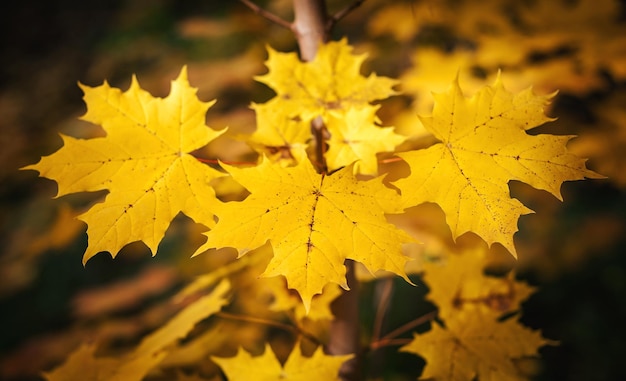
183, 75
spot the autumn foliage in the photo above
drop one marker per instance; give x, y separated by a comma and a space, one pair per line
330, 183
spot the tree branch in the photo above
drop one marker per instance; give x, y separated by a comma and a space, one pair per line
334, 19
389, 338
309, 26
268, 15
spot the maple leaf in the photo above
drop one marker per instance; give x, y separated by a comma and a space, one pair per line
331, 81
277, 132
267, 367
143, 161
314, 222
483, 145
285, 300
82, 365
473, 346
459, 281
355, 137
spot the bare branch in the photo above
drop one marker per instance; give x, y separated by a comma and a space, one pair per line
341, 14
268, 15
390, 337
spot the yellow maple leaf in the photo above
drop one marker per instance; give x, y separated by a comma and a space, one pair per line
483, 145
267, 367
331, 81
143, 161
314, 222
355, 137
285, 300
83, 365
478, 347
459, 281
473, 346
277, 133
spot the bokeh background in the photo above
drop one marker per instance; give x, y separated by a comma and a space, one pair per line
573, 251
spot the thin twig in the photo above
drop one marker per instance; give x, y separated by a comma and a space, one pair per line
389, 342
267, 14
383, 303
271, 323
341, 14
400, 330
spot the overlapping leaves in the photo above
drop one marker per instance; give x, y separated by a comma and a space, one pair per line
332, 88
266, 367
313, 221
316, 219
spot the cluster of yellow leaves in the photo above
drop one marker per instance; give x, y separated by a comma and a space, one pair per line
506, 33
474, 342
84, 365
329, 87
532, 41
315, 221
267, 367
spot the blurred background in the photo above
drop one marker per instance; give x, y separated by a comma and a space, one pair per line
572, 250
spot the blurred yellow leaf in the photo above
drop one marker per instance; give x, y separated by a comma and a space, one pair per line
267, 368
475, 346
82, 365
459, 281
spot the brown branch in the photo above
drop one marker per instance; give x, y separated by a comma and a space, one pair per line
318, 128
267, 14
389, 342
250, 319
400, 330
344, 329
309, 26
334, 19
